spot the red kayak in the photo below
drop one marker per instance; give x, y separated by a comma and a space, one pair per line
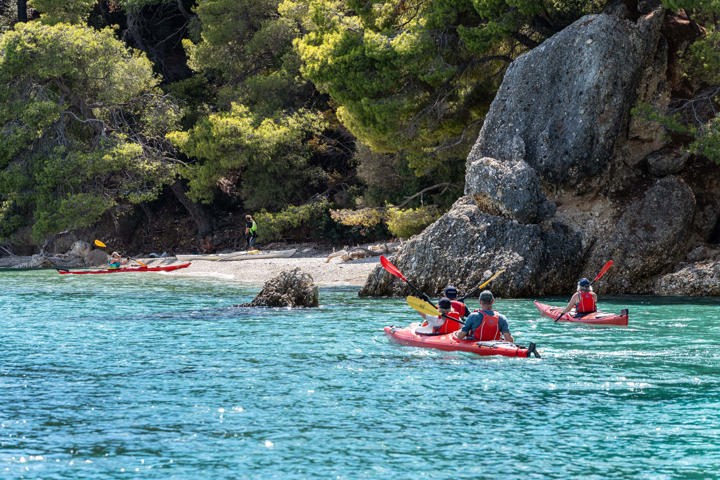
161, 268
449, 343
595, 318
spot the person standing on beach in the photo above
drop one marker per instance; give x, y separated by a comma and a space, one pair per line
250, 231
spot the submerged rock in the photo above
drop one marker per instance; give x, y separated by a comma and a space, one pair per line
292, 288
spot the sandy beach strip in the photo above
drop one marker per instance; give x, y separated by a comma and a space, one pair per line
257, 271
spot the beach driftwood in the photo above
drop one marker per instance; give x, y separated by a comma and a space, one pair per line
355, 253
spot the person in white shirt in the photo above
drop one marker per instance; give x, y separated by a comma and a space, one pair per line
433, 323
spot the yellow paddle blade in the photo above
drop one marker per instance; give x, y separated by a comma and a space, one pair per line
100, 244
485, 284
422, 306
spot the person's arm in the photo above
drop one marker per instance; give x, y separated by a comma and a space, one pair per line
433, 320
573, 301
467, 328
505, 328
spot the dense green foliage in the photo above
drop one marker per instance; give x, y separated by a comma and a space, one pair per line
69, 11
310, 220
278, 103
260, 146
404, 223
82, 124
272, 154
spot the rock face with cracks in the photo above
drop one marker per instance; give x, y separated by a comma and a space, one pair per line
563, 177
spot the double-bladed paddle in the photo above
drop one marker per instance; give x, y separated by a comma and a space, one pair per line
422, 306
602, 272
100, 244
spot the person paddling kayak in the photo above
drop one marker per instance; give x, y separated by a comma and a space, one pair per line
456, 304
116, 261
447, 320
486, 323
584, 300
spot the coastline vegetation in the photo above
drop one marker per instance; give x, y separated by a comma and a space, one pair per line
325, 118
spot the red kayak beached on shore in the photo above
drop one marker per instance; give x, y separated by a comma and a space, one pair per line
594, 318
449, 343
161, 268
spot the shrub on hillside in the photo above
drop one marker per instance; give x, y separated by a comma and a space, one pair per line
408, 222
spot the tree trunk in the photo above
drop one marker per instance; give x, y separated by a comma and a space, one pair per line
22, 10
197, 213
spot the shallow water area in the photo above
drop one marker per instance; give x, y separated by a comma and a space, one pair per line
160, 376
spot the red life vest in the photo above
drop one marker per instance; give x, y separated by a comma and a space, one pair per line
489, 328
451, 323
586, 303
459, 307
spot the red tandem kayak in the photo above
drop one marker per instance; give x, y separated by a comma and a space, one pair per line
595, 318
161, 268
448, 342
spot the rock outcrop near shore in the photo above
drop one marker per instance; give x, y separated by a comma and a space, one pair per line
564, 177
292, 288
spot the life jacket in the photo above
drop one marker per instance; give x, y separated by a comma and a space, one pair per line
459, 307
451, 324
586, 303
489, 328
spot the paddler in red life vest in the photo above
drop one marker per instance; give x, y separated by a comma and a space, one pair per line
485, 324
445, 322
456, 305
584, 300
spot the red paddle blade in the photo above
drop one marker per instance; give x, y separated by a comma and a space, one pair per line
604, 269
391, 268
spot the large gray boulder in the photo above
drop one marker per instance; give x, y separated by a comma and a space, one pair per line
651, 236
510, 189
466, 245
567, 100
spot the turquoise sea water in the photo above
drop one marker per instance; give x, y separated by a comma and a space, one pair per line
156, 376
